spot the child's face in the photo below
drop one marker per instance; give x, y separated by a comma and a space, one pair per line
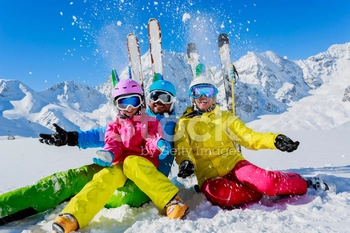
130, 111
203, 103
158, 107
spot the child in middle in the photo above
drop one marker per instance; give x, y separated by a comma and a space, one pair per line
134, 145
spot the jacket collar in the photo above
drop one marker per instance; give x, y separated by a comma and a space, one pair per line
190, 112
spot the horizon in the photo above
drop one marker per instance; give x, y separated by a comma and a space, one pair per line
48, 43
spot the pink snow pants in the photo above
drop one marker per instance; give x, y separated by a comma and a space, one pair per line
247, 182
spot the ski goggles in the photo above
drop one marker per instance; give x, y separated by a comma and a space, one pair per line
124, 102
207, 90
162, 96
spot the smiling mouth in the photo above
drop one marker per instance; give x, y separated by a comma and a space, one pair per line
203, 102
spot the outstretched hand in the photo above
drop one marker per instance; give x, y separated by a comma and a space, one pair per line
60, 138
284, 143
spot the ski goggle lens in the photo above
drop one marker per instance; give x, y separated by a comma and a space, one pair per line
162, 96
203, 89
124, 102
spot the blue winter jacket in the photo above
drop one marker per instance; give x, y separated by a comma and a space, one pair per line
95, 138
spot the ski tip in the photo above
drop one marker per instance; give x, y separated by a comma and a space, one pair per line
157, 77
152, 19
191, 47
223, 39
223, 36
131, 37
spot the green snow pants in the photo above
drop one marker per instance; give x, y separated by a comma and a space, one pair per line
50, 191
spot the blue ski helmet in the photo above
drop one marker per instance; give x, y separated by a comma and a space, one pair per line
167, 86
164, 86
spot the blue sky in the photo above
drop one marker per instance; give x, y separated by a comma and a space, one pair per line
45, 42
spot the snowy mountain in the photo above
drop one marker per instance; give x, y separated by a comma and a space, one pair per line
25, 112
268, 84
327, 105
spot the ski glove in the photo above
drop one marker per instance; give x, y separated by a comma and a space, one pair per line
60, 138
164, 147
104, 158
284, 143
186, 169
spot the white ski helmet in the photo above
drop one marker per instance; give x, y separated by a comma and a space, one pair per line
203, 80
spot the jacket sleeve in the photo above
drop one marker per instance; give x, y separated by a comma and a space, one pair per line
113, 141
92, 138
248, 138
183, 149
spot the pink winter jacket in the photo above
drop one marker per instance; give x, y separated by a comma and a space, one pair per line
136, 136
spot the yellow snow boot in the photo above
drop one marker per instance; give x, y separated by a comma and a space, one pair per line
65, 223
176, 208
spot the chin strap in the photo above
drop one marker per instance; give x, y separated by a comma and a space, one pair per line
211, 108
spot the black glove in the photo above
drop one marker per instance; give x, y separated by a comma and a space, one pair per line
60, 138
186, 169
284, 143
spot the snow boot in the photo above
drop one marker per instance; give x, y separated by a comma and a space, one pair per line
176, 208
65, 223
318, 184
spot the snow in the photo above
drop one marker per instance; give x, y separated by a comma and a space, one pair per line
323, 152
318, 118
185, 17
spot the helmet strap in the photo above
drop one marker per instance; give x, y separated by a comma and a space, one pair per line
172, 107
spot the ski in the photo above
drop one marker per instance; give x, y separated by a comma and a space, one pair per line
230, 75
197, 68
134, 57
155, 41
135, 67
193, 57
229, 71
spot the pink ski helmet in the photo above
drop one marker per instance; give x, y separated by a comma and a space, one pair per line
127, 87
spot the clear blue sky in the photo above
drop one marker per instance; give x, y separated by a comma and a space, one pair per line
43, 42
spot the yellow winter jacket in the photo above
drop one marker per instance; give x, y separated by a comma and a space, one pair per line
207, 141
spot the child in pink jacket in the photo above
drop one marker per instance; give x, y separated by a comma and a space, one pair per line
134, 145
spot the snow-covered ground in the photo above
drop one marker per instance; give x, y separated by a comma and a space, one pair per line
320, 122
324, 152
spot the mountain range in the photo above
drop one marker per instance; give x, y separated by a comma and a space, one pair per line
303, 94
